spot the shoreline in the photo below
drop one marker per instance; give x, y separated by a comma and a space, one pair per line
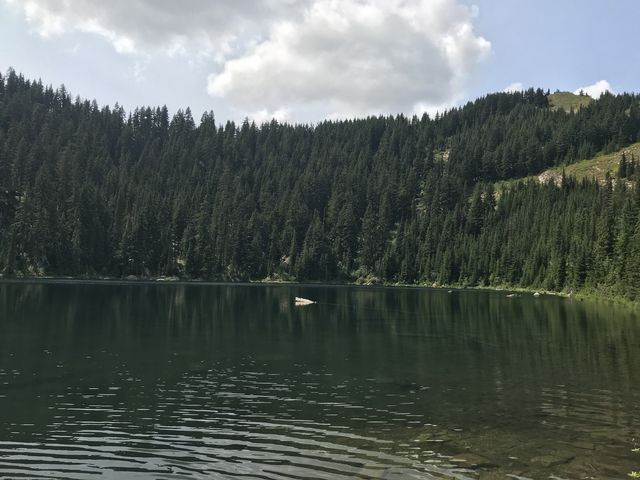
580, 295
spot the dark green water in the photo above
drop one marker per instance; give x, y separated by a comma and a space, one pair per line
219, 381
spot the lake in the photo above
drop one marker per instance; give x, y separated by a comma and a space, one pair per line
134, 380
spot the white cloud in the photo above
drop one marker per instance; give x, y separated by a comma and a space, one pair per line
264, 115
514, 87
433, 109
596, 90
278, 57
354, 57
139, 71
134, 26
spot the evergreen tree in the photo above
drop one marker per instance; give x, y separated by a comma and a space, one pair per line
94, 191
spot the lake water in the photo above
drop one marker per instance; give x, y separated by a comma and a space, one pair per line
219, 381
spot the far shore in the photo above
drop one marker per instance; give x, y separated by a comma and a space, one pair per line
580, 295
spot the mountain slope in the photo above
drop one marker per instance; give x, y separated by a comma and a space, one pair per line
568, 101
94, 191
596, 168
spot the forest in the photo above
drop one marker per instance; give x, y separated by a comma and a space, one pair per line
94, 191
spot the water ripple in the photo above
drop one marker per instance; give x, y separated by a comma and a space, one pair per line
216, 425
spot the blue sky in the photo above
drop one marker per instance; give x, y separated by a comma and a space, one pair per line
562, 44
306, 60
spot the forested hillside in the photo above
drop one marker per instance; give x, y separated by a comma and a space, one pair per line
93, 191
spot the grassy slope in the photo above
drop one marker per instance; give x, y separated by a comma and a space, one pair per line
596, 167
568, 101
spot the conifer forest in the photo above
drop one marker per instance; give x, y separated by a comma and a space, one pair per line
97, 192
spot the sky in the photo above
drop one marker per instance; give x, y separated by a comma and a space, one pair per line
309, 60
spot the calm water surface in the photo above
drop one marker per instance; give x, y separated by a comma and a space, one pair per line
219, 381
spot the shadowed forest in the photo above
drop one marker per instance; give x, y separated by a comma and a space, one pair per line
93, 191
